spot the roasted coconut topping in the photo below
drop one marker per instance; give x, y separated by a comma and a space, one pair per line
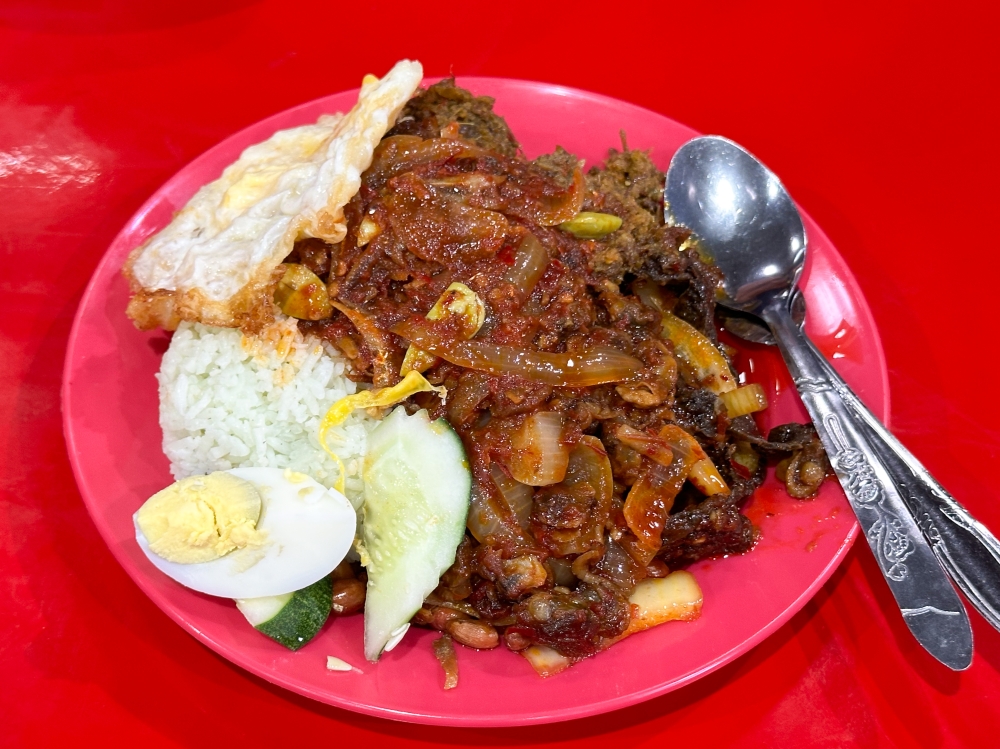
599, 456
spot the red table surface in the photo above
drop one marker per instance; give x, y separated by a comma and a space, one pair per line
878, 118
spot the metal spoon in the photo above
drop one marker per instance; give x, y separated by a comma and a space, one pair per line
967, 549
749, 224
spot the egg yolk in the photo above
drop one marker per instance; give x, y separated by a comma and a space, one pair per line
201, 518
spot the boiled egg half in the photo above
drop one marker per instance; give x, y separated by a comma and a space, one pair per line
246, 532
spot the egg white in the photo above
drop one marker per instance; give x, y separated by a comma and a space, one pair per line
220, 250
309, 530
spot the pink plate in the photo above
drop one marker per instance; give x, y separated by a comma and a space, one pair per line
110, 422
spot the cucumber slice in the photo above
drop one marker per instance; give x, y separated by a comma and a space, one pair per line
417, 491
292, 619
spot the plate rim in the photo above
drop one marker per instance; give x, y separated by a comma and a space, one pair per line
346, 702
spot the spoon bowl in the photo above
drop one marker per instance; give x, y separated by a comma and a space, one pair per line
748, 224
743, 215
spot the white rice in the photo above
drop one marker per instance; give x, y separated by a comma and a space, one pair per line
227, 400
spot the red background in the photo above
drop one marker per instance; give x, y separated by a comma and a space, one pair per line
877, 116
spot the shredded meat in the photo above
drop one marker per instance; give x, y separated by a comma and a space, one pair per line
631, 187
444, 104
449, 199
711, 528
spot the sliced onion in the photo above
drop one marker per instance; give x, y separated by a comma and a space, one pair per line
641, 554
489, 513
676, 457
682, 442
383, 372
550, 208
470, 182
653, 295
702, 359
589, 464
530, 263
562, 571
402, 153
473, 388
484, 518
588, 473
653, 447
704, 475
617, 565
519, 496
650, 500
539, 457
594, 367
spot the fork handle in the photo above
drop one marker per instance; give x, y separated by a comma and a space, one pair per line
930, 605
963, 545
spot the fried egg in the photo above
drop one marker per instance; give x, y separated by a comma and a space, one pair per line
215, 262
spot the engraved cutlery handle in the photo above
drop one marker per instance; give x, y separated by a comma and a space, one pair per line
930, 606
966, 548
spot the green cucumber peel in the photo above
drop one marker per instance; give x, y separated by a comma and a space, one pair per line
292, 619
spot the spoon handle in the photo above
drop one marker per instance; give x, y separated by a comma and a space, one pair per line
930, 606
963, 545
